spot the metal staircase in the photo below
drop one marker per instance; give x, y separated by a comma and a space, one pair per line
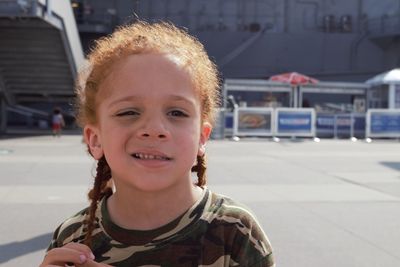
39, 57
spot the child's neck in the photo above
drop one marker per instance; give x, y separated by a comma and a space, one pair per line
147, 211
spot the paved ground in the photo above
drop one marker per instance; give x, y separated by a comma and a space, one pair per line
333, 203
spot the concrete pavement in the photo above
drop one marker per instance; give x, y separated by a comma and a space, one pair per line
333, 203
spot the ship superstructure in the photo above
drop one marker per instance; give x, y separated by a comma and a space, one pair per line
332, 40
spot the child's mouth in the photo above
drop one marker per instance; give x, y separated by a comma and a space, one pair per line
144, 156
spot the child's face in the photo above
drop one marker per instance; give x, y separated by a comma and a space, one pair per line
149, 123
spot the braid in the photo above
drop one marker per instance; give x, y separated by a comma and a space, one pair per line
99, 190
200, 168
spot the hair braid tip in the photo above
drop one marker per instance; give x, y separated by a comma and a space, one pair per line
200, 168
99, 190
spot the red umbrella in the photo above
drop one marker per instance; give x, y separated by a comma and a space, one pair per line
293, 78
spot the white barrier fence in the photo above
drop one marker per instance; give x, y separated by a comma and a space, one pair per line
305, 122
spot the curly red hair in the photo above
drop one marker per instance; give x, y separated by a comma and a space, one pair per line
141, 38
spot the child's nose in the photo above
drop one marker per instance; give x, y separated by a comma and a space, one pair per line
153, 129
160, 136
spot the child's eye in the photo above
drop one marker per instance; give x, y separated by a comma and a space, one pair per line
127, 113
177, 113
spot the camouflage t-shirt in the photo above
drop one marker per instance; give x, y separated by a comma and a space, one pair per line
215, 231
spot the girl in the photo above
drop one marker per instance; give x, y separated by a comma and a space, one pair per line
147, 107
57, 122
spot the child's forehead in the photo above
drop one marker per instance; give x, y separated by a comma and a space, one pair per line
140, 63
154, 58
146, 70
158, 65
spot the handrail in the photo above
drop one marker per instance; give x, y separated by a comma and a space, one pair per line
4, 91
240, 49
64, 36
32, 110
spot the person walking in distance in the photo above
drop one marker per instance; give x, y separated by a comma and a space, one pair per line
57, 122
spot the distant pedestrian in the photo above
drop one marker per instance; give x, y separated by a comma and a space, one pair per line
57, 122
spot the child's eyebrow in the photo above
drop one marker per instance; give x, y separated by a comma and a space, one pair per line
177, 98
124, 99
182, 99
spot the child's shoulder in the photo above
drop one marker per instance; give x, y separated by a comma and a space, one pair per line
72, 229
237, 227
222, 205
226, 211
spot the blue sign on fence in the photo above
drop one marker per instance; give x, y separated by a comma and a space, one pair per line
295, 122
343, 122
325, 122
385, 123
359, 124
229, 120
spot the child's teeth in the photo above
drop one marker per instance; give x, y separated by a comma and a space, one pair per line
146, 156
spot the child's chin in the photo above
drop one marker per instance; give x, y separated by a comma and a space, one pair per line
152, 184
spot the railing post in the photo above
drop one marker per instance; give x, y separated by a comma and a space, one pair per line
33, 7
48, 7
352, 125
335, 126
3, 115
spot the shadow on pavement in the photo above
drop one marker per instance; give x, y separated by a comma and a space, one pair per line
15, 249
391, 164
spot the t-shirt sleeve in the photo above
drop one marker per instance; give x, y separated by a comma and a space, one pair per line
54, 243
267, 261
71, 230
254, 248
249, 244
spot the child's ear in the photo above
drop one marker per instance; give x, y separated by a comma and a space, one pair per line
204, 136
92, 139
